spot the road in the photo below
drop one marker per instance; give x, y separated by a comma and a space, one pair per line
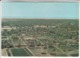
26, 45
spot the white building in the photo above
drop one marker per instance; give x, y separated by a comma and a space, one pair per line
8, 28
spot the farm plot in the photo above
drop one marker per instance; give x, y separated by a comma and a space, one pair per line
55, 52
71, 50
20, 52
7, 44
4, 52
68, 48
38, 51
17, 42
4, 37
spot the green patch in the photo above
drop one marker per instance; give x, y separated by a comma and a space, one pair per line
19, 52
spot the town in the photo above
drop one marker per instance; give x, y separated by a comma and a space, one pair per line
40, 37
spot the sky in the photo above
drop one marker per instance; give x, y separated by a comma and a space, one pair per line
40, 10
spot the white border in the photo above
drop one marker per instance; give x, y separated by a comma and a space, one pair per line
79, 28
40, 0
0, 24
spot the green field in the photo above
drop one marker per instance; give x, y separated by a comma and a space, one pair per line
20, 52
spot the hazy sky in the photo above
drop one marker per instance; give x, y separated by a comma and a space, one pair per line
40, 10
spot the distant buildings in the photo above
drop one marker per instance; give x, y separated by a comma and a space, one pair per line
8, 28
28, 38
43, 26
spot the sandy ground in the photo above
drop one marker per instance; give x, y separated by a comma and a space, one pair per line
4, 53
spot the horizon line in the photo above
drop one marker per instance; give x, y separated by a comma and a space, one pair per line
40, 18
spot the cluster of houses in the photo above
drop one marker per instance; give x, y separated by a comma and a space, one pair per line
35, 26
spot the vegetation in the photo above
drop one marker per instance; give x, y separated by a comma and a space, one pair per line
59, 37
19, 52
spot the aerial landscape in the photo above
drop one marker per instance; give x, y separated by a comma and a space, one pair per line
40, 37
40, 29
